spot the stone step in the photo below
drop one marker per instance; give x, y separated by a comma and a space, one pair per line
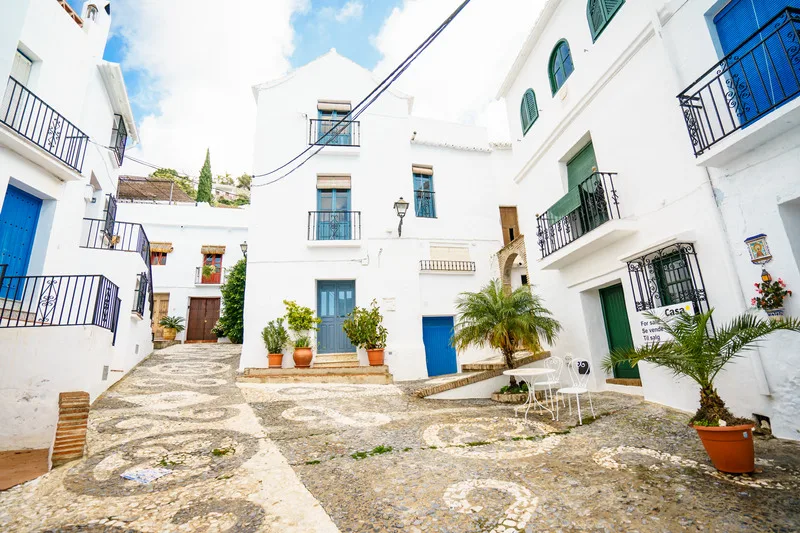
160, 344
335, 358
371, 375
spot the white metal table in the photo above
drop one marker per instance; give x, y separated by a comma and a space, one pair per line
531, 373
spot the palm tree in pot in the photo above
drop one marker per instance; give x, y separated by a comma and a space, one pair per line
700, 354
505, 321
172, 326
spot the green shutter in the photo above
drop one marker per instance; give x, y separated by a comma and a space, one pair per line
529, 112
599, 13
581, 166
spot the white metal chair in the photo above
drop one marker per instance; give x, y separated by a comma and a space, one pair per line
579, 372
552, 382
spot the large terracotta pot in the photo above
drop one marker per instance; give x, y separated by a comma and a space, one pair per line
375, 357
302, 357
169, 334
275, 360
730, 447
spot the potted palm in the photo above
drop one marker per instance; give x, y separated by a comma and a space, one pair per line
172, 326
504, 320
276, 338
301, 322
364, 328
701, 355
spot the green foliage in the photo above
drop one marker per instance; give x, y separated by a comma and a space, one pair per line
218, 331
232, 319
275, 336
225, 179
243, 181
506, 321
172, 322
770, 295
364, 327
241, 199
695, 353
301, 321
208, 270
183, 183
516, 389
377, 450
219, 452
204, 185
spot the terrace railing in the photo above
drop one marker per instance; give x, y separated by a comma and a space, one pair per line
334, 225
446, 266
32, 118
759, 76
585, 207
334, 132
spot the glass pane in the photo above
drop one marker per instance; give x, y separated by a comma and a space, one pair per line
325, 201
342, 200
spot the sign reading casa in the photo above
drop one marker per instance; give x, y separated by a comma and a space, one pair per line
652, 331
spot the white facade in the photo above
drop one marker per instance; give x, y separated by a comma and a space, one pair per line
621, 98
68, 74
286, 262
187, 228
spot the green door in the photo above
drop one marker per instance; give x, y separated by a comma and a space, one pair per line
581, 166
618, 328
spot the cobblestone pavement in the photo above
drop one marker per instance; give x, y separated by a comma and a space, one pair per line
308, 458
181, 411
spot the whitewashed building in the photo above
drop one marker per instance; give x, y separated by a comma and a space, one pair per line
183, 238
327, 235
74, 280
620, 214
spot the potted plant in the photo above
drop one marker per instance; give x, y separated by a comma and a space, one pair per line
364, 328
207, 272
302, 322
503, 320
219, 331
701, 355
276, 338
172, 326
771, 295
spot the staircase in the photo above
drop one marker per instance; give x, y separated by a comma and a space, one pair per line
336, 360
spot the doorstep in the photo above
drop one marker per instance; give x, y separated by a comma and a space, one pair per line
160, 344
365, 375
625, 382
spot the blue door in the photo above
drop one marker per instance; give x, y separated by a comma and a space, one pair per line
761, 73
18, 221
335, 300
440, 356
331, 134
334, 218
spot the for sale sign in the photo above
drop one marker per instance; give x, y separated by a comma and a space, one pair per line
652, 331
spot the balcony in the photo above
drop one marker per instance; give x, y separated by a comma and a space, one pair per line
105, 234
334, 133
588, 213
334, 226
50, 301
461, 267
33, 119
757, 78
217, 277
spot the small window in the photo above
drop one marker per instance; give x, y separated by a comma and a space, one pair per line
599, 13
528, 111
673, 279
158, 258
560, 65
524, 279
424, 200
21, 68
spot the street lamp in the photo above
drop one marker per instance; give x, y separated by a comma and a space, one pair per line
243, 246
401, 206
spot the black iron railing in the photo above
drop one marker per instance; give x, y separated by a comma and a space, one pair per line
119, 138
760, 75
28, 115
585, 207
334, 225
141, 293
215, 278
70, 300
425, 204
334, 132
446, 266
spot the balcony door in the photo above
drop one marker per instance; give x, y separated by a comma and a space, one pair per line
585, 200
335, 300
760, 72
330, 133
334, 217
214, 260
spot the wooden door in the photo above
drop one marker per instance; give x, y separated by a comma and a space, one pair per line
618, 327
203, 315
213, 260
508, 219
160, 310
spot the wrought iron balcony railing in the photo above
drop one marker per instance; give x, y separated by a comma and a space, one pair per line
446, 266
119, 138
28, 115
334, 132
212, 278
48, 301
759, 76
334, 225
585, 207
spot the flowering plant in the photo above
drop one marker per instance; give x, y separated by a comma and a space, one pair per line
770, 294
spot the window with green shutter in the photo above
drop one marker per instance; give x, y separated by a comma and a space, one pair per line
528, 111
560, 65
599, 13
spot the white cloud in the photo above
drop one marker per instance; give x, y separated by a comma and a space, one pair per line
457, 77
351, 10
200, 59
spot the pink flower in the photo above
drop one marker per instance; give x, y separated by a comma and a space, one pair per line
753, 301
781, 283
759, 291
755, 285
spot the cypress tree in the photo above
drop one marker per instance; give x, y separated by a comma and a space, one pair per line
204, 185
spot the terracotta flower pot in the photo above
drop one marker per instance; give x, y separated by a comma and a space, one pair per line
730, 447
275, 360
302, 357
169, 334
375, 357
